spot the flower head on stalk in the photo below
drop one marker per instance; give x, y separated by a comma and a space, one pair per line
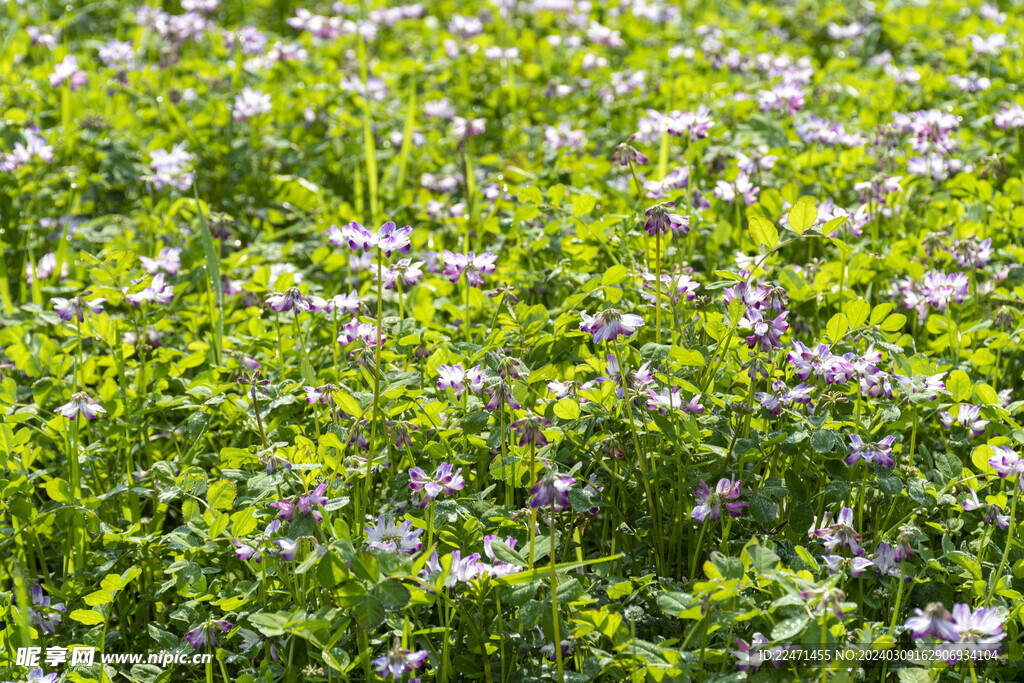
405, 270
286, 549
1006, 463
292, 300
636, 381
393, 538
473, 266
76, 307
445, 481
610, 324
207, 632
158, 292
934, 620
44, 616
709, 503
321, 394
764, 334
552, 488
625, 154
392, 239
876, 453
458, 378
398, 662
531, 430
993, 513
840, 534
389, 238
501, 395
401, 432
81, 404
308, 505
983, 627
659, 220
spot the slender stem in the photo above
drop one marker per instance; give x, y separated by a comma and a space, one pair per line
376, 386
657, 286
554, 598
1006, 550
652, 502
533, 511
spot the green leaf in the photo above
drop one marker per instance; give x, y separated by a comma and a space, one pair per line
100, 597
366, 566
962, 559
567, 409
531, 195
837, 327
369, 613
87, 616
959, 385
763, 231
857, 312
823, 440
614, 275
802, 216
58, 490
762, 559
221, 495
583, 204
392, 594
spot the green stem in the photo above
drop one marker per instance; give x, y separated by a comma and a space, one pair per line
554, 599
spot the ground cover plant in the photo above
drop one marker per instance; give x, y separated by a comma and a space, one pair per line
511, 341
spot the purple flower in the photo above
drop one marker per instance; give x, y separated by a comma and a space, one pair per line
320, 394
169, 261
531, 430
293, 299
44, 616
393, 538
398, 662
660, 220
405, 270
552, 488
933, 620
856, 565
76, 307
250, 103
709, 503
764, 334
67, 70
473, 266
458, 378
207, 632
625, 154
391, 239
81, 404
609, 324
876, 453
444, 481
247, 552
287, 548
981, 627
1006, 463
840, 534
307, 505
884, 560
993, 513
667, 400
501, 395
970, 419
